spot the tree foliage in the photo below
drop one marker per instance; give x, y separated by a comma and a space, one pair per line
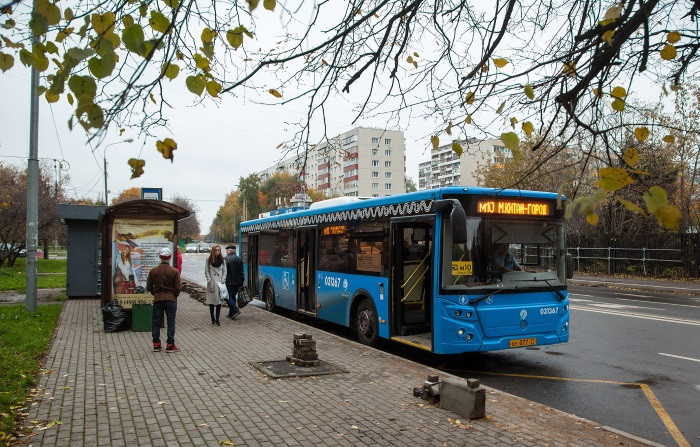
279, 190
187, 228
13, 210
228, 218
133, 193
561, 70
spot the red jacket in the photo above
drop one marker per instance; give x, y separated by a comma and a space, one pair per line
178, 260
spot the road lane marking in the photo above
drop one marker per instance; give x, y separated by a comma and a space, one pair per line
668, 422
680, 357
642, 316
651, 397
629, 299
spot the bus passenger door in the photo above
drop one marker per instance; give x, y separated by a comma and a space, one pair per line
253, 246
411, 273
306, 269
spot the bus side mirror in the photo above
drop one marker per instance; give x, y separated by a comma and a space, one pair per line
459, 225
458, 218
569, 266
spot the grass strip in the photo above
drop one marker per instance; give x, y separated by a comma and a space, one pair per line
14, 278
24, 337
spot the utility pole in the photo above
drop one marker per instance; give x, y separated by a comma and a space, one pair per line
33, 190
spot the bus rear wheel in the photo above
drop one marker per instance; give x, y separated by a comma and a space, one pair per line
269, 296
366, 323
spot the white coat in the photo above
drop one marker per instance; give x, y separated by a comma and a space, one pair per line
214, 275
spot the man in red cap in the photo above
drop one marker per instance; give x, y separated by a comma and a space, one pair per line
165, 284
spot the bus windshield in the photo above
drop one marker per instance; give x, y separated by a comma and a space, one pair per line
505, 253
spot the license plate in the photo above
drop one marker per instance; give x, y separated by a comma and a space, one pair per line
519, 343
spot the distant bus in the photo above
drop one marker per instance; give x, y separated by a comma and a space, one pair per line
421, 268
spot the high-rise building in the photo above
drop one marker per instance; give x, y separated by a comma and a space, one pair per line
364, 162
445, 168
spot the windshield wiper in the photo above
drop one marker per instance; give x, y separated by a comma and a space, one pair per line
475, 301
559, 294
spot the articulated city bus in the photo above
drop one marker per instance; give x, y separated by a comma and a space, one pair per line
448, 270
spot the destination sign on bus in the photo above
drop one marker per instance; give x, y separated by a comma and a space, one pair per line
519, 208
334, 229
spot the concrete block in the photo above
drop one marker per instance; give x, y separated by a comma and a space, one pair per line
457, 396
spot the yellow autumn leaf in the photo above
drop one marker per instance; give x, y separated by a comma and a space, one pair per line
613, 12
673, 37
608, 36
570, 68
668, 52
592, 219
457, 148
631, 206
631, 157
528, 128
409, 59
274, 93
470, 97
641, 134
166, 148
598, 92
136, 167
618, 105
612, 179
618, 92
669, 139
668, 217
500, 108
513, 122
500, 62
510, 140
468, 119
675, 87
655, 198
529, 92
448, 130
435, 141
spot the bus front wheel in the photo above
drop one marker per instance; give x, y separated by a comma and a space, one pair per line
366, 323
269, 297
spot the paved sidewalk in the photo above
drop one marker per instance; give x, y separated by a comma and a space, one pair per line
110, 389
688, 287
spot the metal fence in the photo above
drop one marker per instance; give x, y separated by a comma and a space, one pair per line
672, 255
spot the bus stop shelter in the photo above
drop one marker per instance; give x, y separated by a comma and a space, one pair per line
133, 233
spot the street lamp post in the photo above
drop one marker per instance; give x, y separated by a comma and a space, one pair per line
104, 161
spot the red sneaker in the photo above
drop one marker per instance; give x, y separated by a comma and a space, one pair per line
170, 347
157, 347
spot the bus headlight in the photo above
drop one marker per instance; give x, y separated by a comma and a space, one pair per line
460, 332
468, 315
566, 327
566, 307
469, 337
458, 312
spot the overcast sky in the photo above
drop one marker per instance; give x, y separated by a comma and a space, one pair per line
216, 145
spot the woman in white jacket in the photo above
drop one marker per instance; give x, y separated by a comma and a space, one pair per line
215, 272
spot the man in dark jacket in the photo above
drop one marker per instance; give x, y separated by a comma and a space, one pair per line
234, 280
165, 284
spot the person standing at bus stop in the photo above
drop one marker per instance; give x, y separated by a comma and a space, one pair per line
165, 284
215, 273
234, 280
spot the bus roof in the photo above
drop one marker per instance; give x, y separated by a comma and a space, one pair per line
430, 194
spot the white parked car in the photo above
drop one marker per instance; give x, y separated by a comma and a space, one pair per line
191, 248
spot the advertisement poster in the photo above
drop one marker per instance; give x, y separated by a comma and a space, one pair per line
135, 247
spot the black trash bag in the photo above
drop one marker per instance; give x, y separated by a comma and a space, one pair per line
114, 317
243, 297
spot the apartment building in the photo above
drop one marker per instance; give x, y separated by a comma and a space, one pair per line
364, 162
445, 168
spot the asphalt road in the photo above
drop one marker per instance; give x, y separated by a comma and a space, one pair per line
632, 362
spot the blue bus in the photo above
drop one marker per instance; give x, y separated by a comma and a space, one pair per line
448, 270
